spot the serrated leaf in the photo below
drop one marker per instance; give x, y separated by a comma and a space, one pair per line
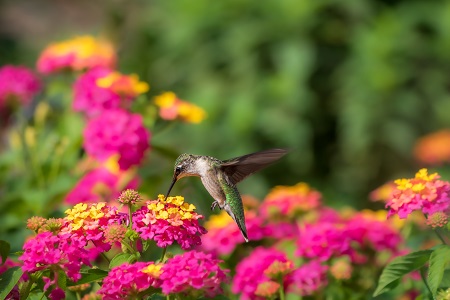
398, 267
8, 280
90, 276
119, 259
5, 247
439, 259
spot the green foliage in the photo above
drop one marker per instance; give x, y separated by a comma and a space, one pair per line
122, 258
91, 275
400, 266
5, 247
439, 260
8, 280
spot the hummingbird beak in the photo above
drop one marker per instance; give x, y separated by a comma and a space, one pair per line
171, 185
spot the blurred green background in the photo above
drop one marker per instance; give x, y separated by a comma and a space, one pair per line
347, 86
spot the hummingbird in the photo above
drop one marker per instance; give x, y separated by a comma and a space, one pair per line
220, 178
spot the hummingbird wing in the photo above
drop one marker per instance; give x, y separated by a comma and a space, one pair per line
240, 167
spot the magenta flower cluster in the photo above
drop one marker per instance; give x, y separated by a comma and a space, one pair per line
187, 233
250, 271
51, 252
119, 132
17, 85
127, 281
91, 99
193, 271
224, 239
189, 274
325, 240
62, 250
98, 185
307, 279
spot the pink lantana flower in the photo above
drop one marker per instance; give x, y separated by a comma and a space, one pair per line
18, 85
51, 252
323, 240
84, 52
250, 272
102, 89
117, 132
307, 279
169, 220
89, 222
128, 281
224, 235
99, 185
425, 192
373, 234
289, 201
193, 273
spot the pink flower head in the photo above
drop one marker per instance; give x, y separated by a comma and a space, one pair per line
127, 86
308, 278
423, 192
250, 272
117, 132
102, 89
89, 221
127, 281
224, 235
97, 186
193, 273
371, 233
169, 220
17, 85
323, 240
84, 52
289, 201
48, 251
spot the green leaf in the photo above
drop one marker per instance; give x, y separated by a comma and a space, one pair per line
439, 259
8, 280
445, 283
120, 259
62, 279
5, 247
90, 276
157, 297
146, 244
400, 266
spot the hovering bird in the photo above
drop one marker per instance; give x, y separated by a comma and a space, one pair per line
220, 178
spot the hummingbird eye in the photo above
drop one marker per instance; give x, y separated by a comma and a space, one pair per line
178, 170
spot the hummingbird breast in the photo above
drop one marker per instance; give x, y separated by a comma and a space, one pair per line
212, 185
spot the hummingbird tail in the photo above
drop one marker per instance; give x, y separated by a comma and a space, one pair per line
239, 221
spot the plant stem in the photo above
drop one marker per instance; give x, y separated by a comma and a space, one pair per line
163, 254
130, 214
281, 291
440, 236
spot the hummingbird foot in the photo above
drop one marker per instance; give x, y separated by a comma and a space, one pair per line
215, 204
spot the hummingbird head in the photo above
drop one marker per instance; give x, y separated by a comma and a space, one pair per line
185, 165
